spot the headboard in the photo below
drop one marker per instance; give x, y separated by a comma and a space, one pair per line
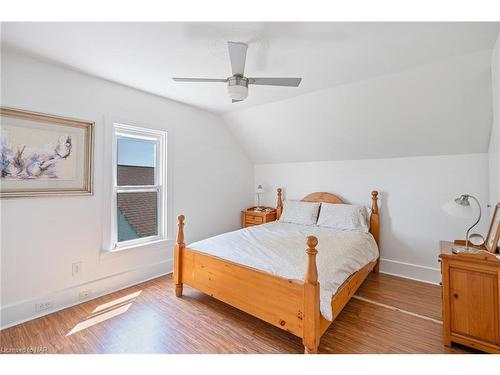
331, 198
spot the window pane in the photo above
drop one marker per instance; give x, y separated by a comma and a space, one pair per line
137, 215
136, 162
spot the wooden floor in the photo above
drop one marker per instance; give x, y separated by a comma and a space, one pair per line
388, 315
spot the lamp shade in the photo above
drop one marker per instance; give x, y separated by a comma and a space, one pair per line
259, 190
458, 210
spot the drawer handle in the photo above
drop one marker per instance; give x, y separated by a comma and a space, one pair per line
455, 295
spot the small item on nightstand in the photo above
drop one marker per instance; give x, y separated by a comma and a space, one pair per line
464, 250
476, 243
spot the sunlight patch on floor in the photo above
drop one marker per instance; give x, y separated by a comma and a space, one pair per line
106, 311
115, 302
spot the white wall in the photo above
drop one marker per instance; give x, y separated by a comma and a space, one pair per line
494, 149
211, 181
412, 191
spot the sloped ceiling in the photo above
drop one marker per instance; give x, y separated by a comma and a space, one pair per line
435, 109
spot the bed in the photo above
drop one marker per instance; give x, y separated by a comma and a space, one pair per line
261, 271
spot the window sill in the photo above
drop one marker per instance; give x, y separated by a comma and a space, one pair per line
161, 244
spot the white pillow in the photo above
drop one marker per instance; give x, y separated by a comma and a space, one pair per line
297, 212
344, 217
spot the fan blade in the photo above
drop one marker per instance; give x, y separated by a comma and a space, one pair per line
293, 82
176, 79
237, 55
236, 101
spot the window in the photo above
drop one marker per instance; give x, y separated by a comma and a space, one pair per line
139, 185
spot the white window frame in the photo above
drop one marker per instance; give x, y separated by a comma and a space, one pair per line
160, 184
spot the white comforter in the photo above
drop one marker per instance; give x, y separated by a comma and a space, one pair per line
279, 248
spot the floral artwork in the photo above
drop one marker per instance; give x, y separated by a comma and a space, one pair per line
19, 162
44, 155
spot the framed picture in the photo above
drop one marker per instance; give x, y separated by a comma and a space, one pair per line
43, 155
493, 236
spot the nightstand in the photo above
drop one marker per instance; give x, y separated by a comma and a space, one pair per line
470, 295
250, 217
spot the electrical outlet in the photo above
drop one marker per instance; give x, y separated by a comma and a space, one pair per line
43, 306
76, 268
84, 294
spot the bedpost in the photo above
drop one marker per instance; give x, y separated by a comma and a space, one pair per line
178, 256
374, 227
279, 205
312, 316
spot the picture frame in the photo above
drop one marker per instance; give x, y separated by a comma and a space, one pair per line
492, 239
45, 155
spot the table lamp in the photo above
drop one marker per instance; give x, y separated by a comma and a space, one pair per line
259, 191
461, 208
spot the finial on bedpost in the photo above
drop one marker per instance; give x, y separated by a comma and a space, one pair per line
374, 202
178, 256
312, 270
279, 205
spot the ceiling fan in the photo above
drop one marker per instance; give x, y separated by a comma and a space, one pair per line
237, 84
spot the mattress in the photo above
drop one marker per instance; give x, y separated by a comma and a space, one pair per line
279, 249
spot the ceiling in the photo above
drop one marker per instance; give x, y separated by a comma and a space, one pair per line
146, 55
443, 108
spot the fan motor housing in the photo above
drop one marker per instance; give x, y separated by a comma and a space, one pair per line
237, 87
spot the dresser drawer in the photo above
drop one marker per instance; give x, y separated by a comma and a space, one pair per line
253, 219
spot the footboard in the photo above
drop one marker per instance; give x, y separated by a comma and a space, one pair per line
292, 305
276, 300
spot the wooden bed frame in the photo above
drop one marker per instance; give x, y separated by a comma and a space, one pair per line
292, 305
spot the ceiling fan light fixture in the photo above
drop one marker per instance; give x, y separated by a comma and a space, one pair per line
237, 92
237, 84
237, 88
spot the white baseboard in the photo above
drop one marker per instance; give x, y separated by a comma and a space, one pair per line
16, 313
410, 271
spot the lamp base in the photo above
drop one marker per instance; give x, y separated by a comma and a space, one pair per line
461, 243
456, 249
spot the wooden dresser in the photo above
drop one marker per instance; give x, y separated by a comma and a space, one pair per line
471, 295
251, 217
